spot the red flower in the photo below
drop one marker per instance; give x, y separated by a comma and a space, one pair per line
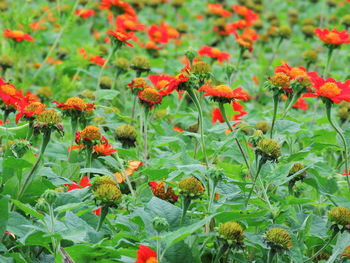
97, 60
85, 13
333, 37
103, 149
17, 35
216, 116
9, 94
249, 15
128, 22
146, 255
301, 104
217, 9
178, 129
75, 103
224, 93
29, 110
161, 82
214, 53
163, 192
336, 91
121, 37
238, 107
292, 72
247, 38
158, 34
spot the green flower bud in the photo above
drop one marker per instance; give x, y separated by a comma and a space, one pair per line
140, 64
106, 82
269, 149
232, 232
340, 215
50, 196
160, 224
284, 32
190, 54
106, 191
278, 239
191, 187
126, 134
262, 126
41, 205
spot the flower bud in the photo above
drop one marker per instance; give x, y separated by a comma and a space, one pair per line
160, 224
278, 239
191, 187
105, 191
126, 134
41, 205
269, 149
262, 126
106, 82
140, 64
284, 32
232, 232
50, 196
190, 54
340, 215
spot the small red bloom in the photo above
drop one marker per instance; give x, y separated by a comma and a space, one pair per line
158, 34
104, 149
224, 93
214, 53
217, 9
121, 37
128, 22
216, 116
85, 13
146, 255
161, 82
17, 35
150, 96
75, 103
333, 37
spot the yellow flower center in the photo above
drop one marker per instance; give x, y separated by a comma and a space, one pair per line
150, 94
223, 88
332, 37
8, 89
280, 80
17, 33
152, 260
329, 90
215, 51
161, 84
91, 132
36, 107
296, 72
75, 101
49, 117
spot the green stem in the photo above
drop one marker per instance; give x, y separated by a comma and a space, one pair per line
261, 162
74, 123
145, 133
88, 152
329, 57
46, 139
328, 105
334, 234
223, 113
17, 128
234, 73
295, 97
275, 107
270, 255
104, 212
103, 67
186, 202
201, 124
116, 156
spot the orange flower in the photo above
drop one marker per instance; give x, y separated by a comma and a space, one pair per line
158, 34
150, 96
103, 149
300, 104
128, 22
249, 15
85, 13
9, 94
333, 37
214, 53
89, 133
17, 35
133, 166
29, 110
217, 9
137, 84
161, 191
224, 94
336, 91
146, 255
247, 38
161, 82
75, 103
178, 129
120, 37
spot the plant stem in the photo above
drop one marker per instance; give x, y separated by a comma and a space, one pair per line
223, 113
270, 255
116, 156
275, 107
261, 162
334, 234
291, 103
329, 57
104, 212
186, 202
328, 105
74, 123
201, 124
103, 67
145, 133
88, 152
46, 139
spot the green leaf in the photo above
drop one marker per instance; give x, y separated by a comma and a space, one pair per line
4, 204
27, 209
